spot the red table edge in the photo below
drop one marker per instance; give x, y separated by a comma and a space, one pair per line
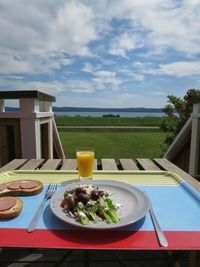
112, 240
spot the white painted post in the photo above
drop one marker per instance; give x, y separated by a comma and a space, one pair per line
38, 139
30, 129
50, 130
28, 138
195, 141
26, 105
2, 105
50, 107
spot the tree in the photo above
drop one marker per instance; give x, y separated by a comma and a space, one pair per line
177, 112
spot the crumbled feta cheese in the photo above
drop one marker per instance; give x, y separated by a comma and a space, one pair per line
89, 189
92, 202
80, 205
82, 214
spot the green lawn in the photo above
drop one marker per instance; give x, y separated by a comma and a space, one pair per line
114, 144
109, 121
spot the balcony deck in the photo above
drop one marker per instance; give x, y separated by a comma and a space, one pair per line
56, 257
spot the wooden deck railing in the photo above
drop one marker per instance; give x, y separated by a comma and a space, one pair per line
185, 150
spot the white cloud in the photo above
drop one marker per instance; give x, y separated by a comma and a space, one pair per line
137, 77
33, 31
102, 80
31, 35
80, 86
180, 69
11, 64
51, 87
159, 93
162, 23
122, 44
48, 26
131, 74
30, 63
89, 68
73, 29
108, 99
14, 77
177, 28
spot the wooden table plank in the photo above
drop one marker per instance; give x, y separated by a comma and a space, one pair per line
109, 164
95, 164
147, 164
128, 164
32, 164
13, 165
69, 164
197, 177
169, 166
51, 164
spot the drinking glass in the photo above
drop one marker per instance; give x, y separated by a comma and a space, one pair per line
85, 161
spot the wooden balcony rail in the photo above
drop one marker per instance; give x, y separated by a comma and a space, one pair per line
185, 150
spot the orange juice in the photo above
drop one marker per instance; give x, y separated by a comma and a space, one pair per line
85, 160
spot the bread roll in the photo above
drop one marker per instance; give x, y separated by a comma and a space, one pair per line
21, 188
10, 207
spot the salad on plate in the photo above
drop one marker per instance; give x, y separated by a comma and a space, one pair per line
88, 203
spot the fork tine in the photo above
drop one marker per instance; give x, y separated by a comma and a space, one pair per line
52, 187
48, 188
56, 187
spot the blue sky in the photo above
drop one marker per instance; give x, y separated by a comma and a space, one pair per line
101, 53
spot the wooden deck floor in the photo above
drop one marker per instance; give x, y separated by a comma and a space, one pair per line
79, 258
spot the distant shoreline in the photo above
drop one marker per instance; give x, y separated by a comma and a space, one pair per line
102, 112
139, 109
80, 109
108, 114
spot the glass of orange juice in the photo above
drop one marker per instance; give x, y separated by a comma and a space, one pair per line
85, 161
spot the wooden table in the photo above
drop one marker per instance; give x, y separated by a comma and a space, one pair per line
110, 165
101, 164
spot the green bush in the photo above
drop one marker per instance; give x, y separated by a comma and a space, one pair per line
177, 112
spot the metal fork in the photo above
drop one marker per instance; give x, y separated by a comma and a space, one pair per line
49, 193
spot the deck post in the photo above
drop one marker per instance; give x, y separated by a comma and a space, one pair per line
195, 141
29, 132
2, 106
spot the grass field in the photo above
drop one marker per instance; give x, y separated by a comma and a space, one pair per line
108, 121
110, 143
114, 144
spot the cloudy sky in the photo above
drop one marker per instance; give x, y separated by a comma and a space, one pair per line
101, 53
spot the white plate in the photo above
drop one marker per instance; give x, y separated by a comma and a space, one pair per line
134, 204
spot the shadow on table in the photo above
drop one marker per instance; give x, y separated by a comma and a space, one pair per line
88, 236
